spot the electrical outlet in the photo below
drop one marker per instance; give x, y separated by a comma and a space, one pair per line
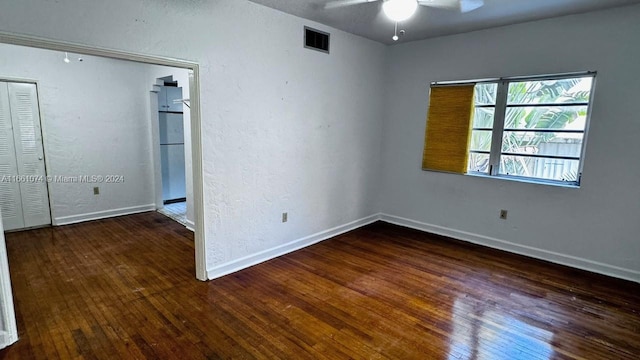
284, 217
96, 191
503, 214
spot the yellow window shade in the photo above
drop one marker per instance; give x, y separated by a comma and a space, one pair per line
448, 131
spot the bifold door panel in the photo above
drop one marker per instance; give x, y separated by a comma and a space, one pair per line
24, 198
10, 202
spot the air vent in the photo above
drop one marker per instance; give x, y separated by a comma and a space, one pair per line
316, 40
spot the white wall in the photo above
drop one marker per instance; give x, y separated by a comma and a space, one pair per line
284, 128
594, 227
95, 122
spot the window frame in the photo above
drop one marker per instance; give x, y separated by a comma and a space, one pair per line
497, 131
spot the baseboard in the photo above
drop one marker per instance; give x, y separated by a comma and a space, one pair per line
190, 225
174, 201
254, 259
73, 219
551, 256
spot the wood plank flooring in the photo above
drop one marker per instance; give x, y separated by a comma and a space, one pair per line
125, 288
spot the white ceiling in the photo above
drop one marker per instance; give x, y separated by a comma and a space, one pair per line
367, 20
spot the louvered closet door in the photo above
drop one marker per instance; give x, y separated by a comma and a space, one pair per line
23, 100
10, 200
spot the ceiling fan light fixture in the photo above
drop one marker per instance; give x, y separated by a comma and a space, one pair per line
399, 10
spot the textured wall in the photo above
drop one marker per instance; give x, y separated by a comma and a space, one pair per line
95, 122
595, 226
284, 128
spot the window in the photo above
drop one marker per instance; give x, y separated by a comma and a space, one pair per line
527, 128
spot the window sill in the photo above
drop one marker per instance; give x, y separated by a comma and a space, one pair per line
527, 180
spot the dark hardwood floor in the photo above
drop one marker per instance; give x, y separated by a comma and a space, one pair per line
125, 288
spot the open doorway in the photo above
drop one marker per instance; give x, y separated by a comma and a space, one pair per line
170, 109
62, 210
172, 143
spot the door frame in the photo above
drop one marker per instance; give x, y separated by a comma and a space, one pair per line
43, 141
196, 133
8, 313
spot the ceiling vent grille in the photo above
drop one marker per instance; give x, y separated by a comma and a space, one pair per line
316, 39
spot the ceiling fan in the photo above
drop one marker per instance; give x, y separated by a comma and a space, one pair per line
401, 10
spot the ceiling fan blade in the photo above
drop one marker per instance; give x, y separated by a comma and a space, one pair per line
470, 5
342, 3
441, 4
459, 5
